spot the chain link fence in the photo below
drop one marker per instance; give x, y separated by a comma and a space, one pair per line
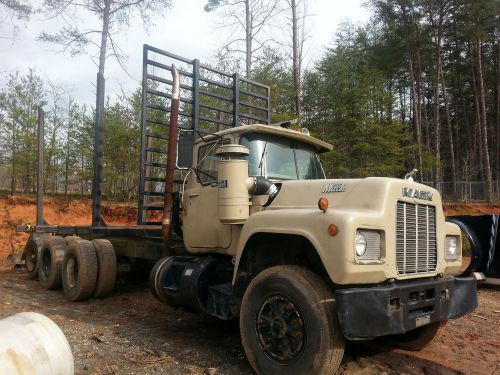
465, 191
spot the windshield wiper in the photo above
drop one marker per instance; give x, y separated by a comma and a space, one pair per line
262, 157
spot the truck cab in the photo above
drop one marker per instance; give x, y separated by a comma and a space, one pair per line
275, 153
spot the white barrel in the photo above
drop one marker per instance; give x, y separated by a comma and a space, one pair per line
32, 344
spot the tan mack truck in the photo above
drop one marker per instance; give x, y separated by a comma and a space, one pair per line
252, 230
308, 262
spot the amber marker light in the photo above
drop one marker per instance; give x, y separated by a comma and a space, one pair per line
333, 230
323, 204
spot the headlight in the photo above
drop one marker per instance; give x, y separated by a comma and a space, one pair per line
360, 244
367, 245
451, 248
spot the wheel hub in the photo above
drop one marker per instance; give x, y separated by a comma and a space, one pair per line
280, 329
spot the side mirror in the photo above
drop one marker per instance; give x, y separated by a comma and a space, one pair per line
185, 142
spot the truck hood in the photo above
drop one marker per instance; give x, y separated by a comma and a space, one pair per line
372, 193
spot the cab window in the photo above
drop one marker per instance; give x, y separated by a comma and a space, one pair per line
207, 164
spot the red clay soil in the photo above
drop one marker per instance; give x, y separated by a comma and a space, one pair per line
57, 211
474, 209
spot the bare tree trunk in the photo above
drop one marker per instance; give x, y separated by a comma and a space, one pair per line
248, 39
402, 104
478, 145
440, 80
437, 134
484, 128
470, 146
497, 109
104, 36
54, 176
450, 136
423, 118
66, 173
82, 178
437, 106
416, 116
296, 57
13, 166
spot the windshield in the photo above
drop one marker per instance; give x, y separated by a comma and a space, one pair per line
281, 158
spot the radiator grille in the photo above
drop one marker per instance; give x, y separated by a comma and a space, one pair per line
416, 246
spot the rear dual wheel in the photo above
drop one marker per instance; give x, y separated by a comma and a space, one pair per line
107, 268
50, 262
89, 269
83, 268
79, 270
32, 254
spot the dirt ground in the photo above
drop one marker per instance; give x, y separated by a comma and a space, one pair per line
132, 333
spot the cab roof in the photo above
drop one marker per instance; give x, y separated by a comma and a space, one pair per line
275, 129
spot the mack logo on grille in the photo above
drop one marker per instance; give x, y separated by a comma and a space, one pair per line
420, 194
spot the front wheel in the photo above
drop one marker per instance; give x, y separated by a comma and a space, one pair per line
289, 323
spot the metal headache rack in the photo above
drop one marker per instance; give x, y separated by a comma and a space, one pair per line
210, 100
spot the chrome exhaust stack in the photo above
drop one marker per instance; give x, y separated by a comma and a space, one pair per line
171, 158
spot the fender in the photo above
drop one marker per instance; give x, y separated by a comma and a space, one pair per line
302, 222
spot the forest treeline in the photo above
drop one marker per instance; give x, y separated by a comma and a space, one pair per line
68, 140
418, 86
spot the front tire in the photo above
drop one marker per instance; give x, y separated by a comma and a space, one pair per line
289, 323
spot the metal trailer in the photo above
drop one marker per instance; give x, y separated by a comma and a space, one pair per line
209, 100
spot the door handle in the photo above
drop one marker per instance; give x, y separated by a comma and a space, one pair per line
192, 195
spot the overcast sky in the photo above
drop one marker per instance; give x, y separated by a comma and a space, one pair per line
186, 30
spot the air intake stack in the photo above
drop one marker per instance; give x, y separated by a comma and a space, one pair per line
233, 197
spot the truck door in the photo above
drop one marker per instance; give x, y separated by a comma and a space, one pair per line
201, 226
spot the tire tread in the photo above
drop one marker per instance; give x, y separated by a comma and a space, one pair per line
56, 246
316, 291
87, 270
107, 267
